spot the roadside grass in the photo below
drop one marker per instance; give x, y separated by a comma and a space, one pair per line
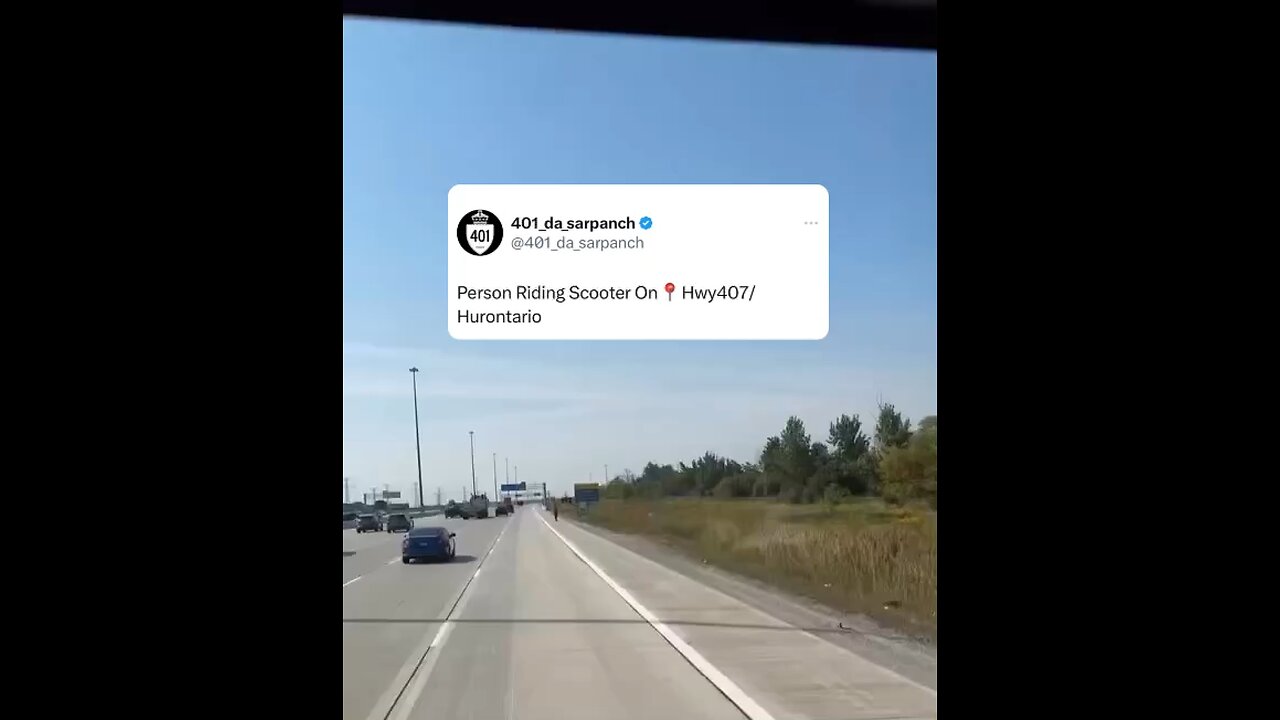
861, 556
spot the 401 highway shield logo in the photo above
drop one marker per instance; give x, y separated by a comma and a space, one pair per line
480, 232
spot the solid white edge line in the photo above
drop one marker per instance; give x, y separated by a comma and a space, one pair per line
886, 671
729, 688
352, 580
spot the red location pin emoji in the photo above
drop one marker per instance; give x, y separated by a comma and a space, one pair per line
671, 287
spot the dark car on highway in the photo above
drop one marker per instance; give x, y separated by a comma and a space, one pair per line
369, 523
477, 508
428, 543
452, 510
399, 523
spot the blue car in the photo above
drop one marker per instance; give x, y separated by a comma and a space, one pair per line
428, 543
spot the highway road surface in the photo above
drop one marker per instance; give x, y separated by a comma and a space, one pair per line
543, 620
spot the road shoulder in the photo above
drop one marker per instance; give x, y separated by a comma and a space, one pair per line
912, 658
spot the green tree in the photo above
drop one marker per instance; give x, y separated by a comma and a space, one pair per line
724, 489
773, 466
764, 484
798, 459
848, 441
618, 489
681, 483
855, 467
832, 494
732, 486
892, 430
706, 472
910, 472
655, 480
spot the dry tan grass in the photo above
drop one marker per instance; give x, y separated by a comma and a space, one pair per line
858, 557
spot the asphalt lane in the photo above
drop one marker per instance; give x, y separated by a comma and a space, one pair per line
380, 594
360, 551
539, 620
540, 636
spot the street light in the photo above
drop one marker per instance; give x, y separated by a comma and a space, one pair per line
495, 476
472, 433
417, 436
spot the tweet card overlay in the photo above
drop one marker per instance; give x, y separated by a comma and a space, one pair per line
638, 262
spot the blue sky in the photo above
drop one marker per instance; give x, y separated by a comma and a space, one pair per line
426, 106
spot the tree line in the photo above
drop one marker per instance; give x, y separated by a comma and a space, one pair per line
895, 462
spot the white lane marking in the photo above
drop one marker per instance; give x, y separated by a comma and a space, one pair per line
891, 673
403, 709
727, 687
352, 580
393, 560
406, 688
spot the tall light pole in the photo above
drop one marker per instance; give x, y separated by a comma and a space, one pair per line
495, 476
417, 435
472, 433
606, 474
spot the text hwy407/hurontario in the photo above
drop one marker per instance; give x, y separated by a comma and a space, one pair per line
651, 262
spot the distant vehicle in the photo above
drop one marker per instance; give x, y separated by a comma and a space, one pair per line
399, 523
428, 543
452, 510
506, 507
369, 523
477, 508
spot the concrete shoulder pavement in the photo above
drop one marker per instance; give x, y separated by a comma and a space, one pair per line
539, 637
548, 621
788, 671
